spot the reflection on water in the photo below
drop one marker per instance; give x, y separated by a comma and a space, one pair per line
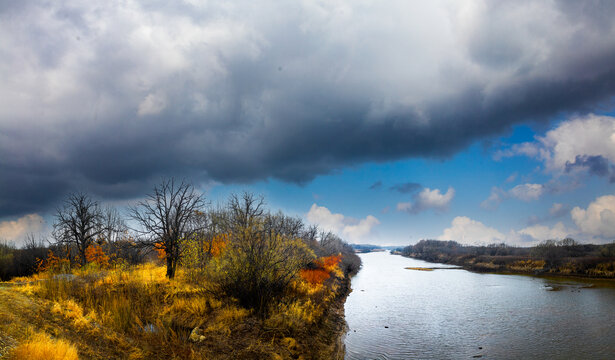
394, 313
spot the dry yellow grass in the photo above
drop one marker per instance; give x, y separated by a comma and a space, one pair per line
527, 265
42, 346
71, 311
136, 312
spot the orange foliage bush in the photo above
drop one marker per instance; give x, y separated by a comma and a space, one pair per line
53, 263
160, 249
314, 276
324, 267
217, 245
95, 254
330, 263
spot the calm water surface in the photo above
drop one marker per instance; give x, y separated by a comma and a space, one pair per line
456, 314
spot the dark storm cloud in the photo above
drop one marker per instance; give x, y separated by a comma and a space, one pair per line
110, 97
406, 188
377, 185
595, 164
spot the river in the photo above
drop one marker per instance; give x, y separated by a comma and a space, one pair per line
394, 313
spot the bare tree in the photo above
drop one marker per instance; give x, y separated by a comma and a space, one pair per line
245, 212
284, 225
114, 225
263, 257
310, 236
79, 222
166, 216
31, 242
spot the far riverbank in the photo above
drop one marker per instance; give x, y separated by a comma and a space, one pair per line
551, 259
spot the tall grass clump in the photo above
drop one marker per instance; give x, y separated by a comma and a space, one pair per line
42, 346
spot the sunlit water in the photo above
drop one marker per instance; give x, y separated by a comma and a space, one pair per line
393, 313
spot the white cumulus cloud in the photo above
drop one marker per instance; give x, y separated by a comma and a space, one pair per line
349, 228
473, 232
428, 199
580, 143
590, 136
16, 230
540, 233
467, 231
598, 219
527, 192
361, 229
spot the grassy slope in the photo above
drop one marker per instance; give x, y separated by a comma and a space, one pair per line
23, 314
104, 316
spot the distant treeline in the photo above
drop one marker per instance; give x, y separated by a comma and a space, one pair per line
567, 257
364, 248
20, 262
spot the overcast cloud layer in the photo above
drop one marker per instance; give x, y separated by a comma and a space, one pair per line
111, 95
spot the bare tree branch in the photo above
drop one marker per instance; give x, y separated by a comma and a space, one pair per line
166, 216
79, 222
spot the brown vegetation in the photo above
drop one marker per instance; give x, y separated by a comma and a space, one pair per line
247, 284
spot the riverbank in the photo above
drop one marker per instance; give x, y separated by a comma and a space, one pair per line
586, 268
139, 314
328, 341
556, 258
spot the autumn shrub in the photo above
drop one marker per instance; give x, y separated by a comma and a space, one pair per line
42, 346
94, 254
160, 251
309, 297
197, 251
257, 268
321, 269
53, 264
315, 276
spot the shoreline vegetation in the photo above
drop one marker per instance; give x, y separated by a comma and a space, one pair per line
136, 313
549, 258
238, 282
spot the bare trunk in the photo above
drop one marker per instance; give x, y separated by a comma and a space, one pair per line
170, 267
82, 256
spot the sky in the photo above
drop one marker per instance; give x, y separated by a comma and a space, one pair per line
385, 122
